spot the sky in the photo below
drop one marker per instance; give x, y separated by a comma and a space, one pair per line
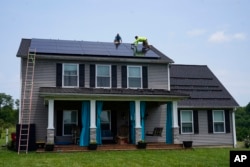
215, 33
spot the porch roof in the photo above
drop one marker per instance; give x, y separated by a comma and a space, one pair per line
116, 94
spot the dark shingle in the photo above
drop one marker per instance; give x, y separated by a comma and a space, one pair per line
202, 85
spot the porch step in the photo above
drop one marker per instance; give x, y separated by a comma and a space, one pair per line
114, 147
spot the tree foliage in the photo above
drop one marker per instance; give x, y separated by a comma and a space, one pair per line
242, 119
8, 115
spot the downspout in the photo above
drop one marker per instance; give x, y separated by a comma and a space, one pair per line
234, 129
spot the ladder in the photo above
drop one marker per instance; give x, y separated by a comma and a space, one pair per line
26, 106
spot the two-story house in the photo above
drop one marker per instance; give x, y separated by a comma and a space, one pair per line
94, 89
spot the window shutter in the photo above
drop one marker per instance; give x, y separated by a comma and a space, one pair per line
179, 121
124, 76
59, 74
145, 77
210, 121
114, 76
59, 122
227, 119
196, 122
92, 76
81, 75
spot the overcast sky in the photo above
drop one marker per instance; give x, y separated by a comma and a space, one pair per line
215, 33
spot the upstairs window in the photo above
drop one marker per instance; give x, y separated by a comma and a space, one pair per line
186, 121
70, 75
134, 77
218, 121
103, 76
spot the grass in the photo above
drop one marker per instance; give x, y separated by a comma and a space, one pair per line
198, 157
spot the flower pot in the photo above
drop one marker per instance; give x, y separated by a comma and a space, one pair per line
92, 146
187, 144
141, 145
49, 147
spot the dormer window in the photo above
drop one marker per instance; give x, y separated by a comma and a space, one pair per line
103, 76
134, 77
70, 75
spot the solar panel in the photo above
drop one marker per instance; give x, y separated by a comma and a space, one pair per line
51, 46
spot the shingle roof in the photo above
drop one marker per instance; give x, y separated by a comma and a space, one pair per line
205, 90
86, 48
158, 93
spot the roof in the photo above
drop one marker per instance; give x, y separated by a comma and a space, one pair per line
53, 47
205, 90
114, 93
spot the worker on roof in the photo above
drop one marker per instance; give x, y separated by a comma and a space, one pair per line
141, 39
118, 39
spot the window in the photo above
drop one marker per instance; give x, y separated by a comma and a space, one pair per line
134, 77
70, 75
186, 121
106, 120
103, 77
218, 121
69, 121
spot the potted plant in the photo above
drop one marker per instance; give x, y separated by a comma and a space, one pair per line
141, 144
49, 146
92, 145
187, 144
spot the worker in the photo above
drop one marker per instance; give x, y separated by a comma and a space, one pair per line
118, 39
143, 40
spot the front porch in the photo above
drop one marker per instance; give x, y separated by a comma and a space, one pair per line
101, 122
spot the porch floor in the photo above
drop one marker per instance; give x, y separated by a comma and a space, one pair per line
111, 147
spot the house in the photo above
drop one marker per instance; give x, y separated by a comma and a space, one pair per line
99, 91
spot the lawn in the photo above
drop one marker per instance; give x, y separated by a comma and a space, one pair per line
197, 157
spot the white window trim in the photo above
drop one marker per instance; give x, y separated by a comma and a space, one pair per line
96, 66
77, 86
109, 118
187, 122
128, 77
63, 121
224, 127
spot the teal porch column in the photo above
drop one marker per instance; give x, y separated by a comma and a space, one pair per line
169, 121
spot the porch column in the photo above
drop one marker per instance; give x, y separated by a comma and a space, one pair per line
50, 129
175, 126
92, 120
137, 121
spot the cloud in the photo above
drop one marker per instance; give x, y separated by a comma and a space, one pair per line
196, 32
220, 37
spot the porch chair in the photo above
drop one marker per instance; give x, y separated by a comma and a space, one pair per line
123, 135
157, 132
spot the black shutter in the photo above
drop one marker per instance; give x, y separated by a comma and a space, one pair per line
196, 122
210, 121
145, 77
114, 76
92, 75
81, 75
179, 121
124, 76
59, 74
227, 119
59, 122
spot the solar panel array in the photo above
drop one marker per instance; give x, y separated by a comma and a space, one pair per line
70, 47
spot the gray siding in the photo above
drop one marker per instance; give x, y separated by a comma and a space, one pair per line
156, 118
45, 76
207, 139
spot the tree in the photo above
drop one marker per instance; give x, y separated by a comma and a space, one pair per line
6, 101
248, 108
